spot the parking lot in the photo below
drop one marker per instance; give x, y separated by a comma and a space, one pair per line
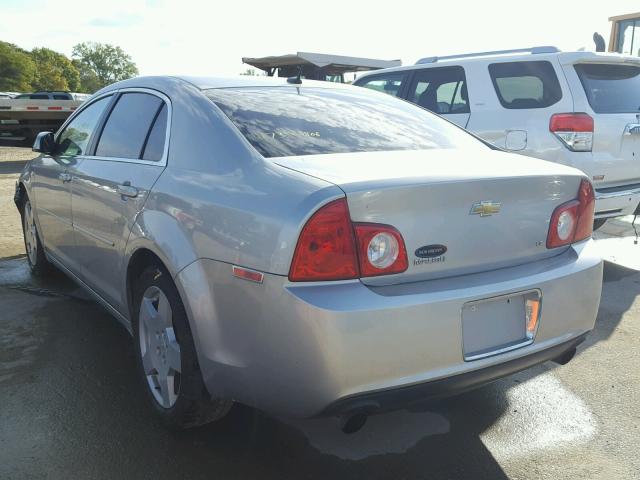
71, 406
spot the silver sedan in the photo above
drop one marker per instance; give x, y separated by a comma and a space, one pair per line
308, 248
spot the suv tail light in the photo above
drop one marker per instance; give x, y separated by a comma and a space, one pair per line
331, 247
573, 221
575, 130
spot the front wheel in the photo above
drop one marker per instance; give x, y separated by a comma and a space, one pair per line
38, 262
166, 354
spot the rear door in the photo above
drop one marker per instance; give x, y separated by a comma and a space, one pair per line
610, 93
110, 187
443, 90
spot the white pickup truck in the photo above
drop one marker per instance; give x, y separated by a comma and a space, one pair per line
23, 117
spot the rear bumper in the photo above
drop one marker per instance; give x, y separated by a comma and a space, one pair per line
385, 400
617, 201
301, 349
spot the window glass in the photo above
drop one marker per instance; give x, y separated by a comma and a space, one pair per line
75, 137
611, 88
38, 96
525, 84
285, 121
441, 90
61, 96
154, 147
629, 37
389, 83
128, 124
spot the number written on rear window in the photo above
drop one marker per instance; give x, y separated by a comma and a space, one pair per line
521, 85
128, 126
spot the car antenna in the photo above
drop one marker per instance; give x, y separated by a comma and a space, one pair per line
296, 80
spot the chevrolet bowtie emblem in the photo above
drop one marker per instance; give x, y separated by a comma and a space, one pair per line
485, 208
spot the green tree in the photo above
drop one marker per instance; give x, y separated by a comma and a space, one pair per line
54, 71
89, 81
108, 62
17, 69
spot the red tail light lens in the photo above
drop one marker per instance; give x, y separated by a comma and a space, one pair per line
326, 249
575, 130
381, 249
573, 221
330, 247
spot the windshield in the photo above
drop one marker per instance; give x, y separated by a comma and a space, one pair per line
611, 88
288, 121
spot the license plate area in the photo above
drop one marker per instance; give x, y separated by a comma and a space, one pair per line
499, 324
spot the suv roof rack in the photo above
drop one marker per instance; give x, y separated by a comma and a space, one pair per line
532, 51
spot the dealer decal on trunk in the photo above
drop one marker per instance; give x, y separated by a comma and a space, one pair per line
430, 254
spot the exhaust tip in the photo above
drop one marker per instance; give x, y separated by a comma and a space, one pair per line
565, 357
353, 423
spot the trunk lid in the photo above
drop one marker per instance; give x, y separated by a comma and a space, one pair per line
434, 198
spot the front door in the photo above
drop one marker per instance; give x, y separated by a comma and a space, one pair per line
52, 182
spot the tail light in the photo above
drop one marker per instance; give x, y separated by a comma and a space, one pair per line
575, 130
573, 221
331, 247
326, 248
381, 249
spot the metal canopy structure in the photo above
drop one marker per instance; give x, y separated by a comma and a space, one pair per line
316, 66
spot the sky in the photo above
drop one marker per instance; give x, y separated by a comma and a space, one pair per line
210, 37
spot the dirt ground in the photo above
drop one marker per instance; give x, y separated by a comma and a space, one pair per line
12, 160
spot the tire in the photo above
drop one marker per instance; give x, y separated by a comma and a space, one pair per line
166, 355
598, 222
36, 257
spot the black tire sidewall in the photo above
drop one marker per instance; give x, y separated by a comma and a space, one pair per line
42, 265
193, 399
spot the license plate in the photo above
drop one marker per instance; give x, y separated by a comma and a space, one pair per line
500, 324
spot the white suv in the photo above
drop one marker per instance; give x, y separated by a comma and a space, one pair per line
577, 108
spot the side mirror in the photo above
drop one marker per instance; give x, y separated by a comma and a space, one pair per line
44, 143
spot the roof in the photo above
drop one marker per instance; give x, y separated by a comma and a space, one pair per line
204, 83
564, 57
628, 16
336, 62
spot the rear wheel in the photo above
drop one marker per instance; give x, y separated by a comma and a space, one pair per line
35, 253
166, 357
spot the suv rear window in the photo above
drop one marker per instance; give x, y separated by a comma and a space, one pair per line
522, 85
611, 88
287, 121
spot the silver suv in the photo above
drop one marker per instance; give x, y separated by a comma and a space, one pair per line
576, 108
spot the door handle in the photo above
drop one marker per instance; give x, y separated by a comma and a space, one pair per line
126, 190
65, 177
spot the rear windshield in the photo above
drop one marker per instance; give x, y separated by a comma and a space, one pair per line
611, 88
287, 121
